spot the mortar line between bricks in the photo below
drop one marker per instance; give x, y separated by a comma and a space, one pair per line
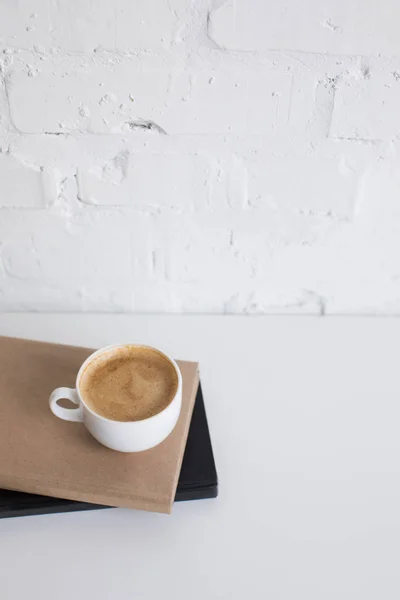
332, 109
290, 99
231, 53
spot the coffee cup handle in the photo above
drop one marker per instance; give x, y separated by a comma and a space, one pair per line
67, 414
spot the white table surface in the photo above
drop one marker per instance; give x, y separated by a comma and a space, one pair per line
305, 419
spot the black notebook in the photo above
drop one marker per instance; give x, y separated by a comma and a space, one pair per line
197, 480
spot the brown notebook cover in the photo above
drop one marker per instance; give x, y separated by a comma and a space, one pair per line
42, 454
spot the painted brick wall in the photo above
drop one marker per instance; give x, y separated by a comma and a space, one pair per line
236, 156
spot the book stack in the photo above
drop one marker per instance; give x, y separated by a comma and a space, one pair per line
48, 465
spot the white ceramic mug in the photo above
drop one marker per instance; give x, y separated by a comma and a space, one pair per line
132, 436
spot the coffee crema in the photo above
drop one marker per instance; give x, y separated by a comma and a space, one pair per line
129, 383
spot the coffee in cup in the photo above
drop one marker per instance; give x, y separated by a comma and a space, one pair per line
129, 383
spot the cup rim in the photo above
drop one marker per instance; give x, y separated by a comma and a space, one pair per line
101, 351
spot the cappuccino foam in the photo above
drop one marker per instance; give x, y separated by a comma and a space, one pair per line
129, 383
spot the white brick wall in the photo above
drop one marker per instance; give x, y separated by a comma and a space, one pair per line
204, 156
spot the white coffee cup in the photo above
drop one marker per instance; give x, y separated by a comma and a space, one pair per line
131, 436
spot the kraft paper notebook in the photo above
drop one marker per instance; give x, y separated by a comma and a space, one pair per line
41, 454
197, 480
